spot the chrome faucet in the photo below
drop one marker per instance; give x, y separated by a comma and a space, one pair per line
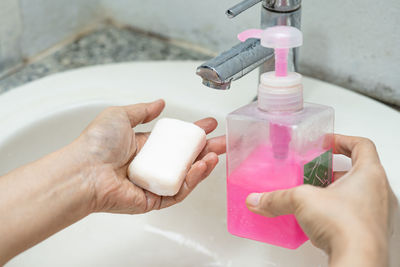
219, 72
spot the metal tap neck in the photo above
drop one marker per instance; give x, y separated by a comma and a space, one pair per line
282, 5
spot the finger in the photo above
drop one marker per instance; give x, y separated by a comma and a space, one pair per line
278, 203
328, 141
211, 160
197, 173
207, 124
360, 150
153, 201
141, 139
196, 176
144, 112
216, 145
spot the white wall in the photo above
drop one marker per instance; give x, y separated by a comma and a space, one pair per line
354, 43
351, 43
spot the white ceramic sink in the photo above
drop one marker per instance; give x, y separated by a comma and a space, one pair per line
45, 115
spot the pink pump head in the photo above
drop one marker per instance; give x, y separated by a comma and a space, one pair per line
281, 38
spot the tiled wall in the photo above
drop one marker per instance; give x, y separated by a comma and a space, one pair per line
10, 34
351, 43
29, 27
46, 22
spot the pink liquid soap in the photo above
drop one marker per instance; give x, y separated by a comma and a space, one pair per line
264, 172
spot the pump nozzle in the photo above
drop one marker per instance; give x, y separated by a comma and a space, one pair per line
279, 91
280, 38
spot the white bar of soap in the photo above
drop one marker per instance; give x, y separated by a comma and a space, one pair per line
166, 157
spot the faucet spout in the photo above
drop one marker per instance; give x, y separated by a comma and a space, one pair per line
239, 8
219, 72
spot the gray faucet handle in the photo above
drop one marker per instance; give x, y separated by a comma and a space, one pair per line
273, 5
239, 8
282, 5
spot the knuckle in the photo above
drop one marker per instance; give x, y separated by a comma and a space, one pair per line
301, 192
267, 201
295, 196
112, 109
367, 142
141, 106
107, 109
179, 198
394, 202
377, 172
157, 204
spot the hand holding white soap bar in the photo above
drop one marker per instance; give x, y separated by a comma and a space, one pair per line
166, 157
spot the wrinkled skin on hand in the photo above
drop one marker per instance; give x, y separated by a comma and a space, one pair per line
109, 144
353, 213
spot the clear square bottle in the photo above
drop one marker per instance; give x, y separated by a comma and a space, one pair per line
276, 143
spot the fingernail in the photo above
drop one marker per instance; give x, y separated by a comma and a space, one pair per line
254, 199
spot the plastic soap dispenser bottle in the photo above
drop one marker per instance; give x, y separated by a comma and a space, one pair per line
276, 143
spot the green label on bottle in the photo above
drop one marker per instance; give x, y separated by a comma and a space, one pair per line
318, 172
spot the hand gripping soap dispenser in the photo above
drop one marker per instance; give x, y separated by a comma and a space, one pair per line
276, 143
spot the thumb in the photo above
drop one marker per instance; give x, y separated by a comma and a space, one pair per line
278, 203
144, 112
